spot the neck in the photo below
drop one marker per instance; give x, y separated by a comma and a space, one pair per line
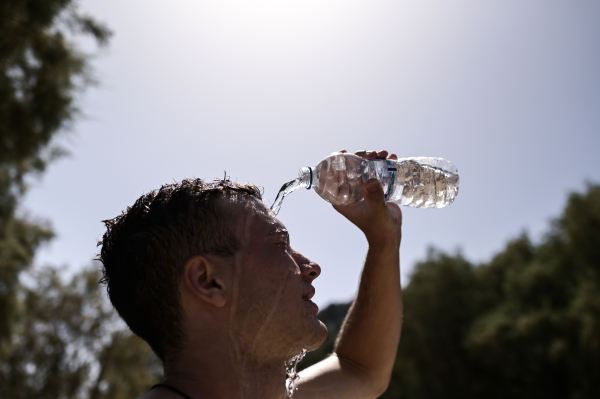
216, 371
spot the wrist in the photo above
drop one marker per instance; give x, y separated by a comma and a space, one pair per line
382, 244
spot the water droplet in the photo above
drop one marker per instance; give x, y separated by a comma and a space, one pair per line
291, 372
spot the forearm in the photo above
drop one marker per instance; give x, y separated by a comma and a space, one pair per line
367, 344
371, 332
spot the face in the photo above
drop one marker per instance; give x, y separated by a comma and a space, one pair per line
272, 314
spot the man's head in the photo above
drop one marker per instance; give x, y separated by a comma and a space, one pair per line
152, 250
144, 250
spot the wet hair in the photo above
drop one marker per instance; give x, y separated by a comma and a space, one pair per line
145, 248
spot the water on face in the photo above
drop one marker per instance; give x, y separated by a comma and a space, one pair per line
284, 191
292, 374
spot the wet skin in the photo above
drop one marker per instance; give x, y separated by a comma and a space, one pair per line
274, 317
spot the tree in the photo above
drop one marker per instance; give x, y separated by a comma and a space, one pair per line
70, 343
440, 304
57, 339
40, 72
542, 339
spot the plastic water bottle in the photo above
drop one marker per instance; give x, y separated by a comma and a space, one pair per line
420, 182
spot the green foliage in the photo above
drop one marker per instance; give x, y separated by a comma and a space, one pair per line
39, 73
440, 303
40, 70
524, 325
542, 339
57, 340
71, 344
19, 239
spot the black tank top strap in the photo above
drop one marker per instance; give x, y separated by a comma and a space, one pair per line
177, 391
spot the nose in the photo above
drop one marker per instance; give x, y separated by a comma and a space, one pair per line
308, 268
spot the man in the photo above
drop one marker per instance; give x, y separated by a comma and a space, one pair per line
206, 275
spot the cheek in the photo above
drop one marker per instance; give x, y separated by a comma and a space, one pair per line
274, 266
270, 287
265, 279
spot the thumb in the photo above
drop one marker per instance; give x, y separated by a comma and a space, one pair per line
373, 192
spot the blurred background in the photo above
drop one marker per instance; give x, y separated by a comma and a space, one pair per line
507, 90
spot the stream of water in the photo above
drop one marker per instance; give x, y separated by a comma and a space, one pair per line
284, 191
292, 373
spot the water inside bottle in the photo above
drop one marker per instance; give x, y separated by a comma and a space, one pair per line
425, 183
284, 191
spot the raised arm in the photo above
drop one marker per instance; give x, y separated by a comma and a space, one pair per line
366, 346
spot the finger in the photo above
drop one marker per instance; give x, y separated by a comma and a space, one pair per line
393, 156
343, 151
361, 153
382, 154
373, 193
366, 154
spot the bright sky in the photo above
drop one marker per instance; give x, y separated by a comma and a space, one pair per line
507, 90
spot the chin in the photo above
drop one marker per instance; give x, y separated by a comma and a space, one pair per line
318, 337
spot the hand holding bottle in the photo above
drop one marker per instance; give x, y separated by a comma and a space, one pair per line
373, 154
379, 220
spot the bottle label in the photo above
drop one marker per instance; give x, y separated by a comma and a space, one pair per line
391, 167
382, 170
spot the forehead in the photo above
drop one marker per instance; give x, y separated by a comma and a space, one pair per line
254, 221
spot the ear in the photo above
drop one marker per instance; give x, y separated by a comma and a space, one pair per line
203, 279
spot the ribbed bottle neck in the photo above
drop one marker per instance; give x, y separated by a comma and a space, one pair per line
305, 176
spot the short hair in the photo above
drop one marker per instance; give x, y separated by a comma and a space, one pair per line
145, 248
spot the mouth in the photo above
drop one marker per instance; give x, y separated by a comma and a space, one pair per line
311, 292
308, 296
